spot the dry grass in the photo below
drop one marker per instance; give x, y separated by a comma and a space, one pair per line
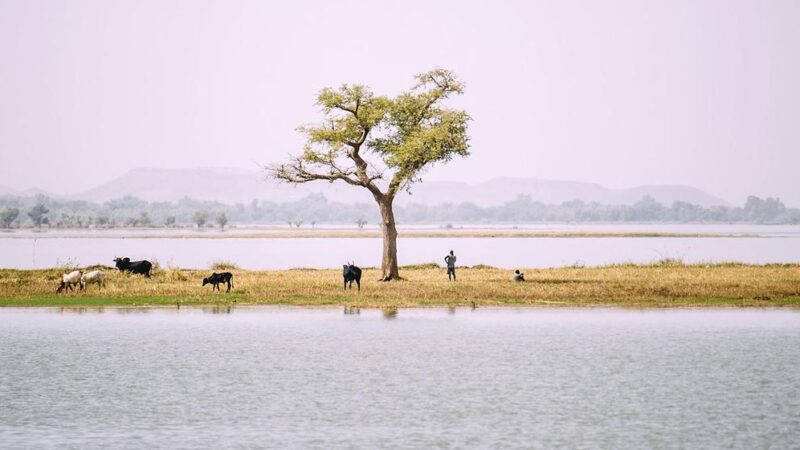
660, 285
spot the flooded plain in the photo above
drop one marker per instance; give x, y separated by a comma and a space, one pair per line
743, 243
424, 378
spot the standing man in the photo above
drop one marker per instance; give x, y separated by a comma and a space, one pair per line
451, 266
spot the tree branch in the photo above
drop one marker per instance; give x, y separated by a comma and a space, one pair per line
361, 173
296, 172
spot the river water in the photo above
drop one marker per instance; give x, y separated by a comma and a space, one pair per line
772, 244
316, 378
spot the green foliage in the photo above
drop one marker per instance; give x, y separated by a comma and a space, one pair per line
199, 218
219, 264
315, 208
763, 210
424, 266
38, 215
144, 219
8, 216
523, 210
368, 140
221, 219
419, 131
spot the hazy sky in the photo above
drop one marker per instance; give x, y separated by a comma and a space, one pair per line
623, 93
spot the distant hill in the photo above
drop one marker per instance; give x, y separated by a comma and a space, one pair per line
224, 185
238, 185
6, 191
500, 190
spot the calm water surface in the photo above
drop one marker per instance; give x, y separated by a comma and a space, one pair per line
276, 253
315, 378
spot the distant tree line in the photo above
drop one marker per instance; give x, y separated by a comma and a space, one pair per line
130, 211
525, 210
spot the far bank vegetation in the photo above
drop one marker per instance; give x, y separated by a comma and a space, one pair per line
315, 209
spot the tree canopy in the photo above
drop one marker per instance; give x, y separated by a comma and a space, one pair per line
381, 143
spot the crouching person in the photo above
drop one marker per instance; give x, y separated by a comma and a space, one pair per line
518, 276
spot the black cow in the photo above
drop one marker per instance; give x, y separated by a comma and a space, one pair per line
351, 273
216, 278
140, 267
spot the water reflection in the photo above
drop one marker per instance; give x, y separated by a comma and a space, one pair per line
217, 309
81, 310
348, 310
389, 313
134, 310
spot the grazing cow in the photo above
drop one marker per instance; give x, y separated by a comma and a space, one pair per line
140, 267
97, 277
70, 279
351, 273
216, 278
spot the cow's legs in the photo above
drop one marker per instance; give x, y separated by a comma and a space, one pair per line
229, 286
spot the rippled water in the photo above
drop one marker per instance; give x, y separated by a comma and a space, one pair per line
315, 378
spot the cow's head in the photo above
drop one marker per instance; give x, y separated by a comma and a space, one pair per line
61, 287
205, 281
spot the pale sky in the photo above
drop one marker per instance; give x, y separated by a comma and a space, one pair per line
622, 93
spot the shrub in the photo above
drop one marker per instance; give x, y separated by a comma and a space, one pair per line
219, 264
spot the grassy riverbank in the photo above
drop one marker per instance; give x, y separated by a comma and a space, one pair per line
658, 285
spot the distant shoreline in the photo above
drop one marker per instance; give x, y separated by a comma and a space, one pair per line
372, 234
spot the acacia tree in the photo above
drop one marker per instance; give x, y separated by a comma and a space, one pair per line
200, 217
381, 144
8, 216
222, 220
38, 215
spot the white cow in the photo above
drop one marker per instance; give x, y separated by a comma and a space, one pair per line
70, 279
95, 276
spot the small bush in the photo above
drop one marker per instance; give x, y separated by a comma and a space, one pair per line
67, 265
430, 265
669, 262
483, 267
173, 274
219, 264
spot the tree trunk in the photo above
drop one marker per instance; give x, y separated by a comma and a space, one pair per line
389, 260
